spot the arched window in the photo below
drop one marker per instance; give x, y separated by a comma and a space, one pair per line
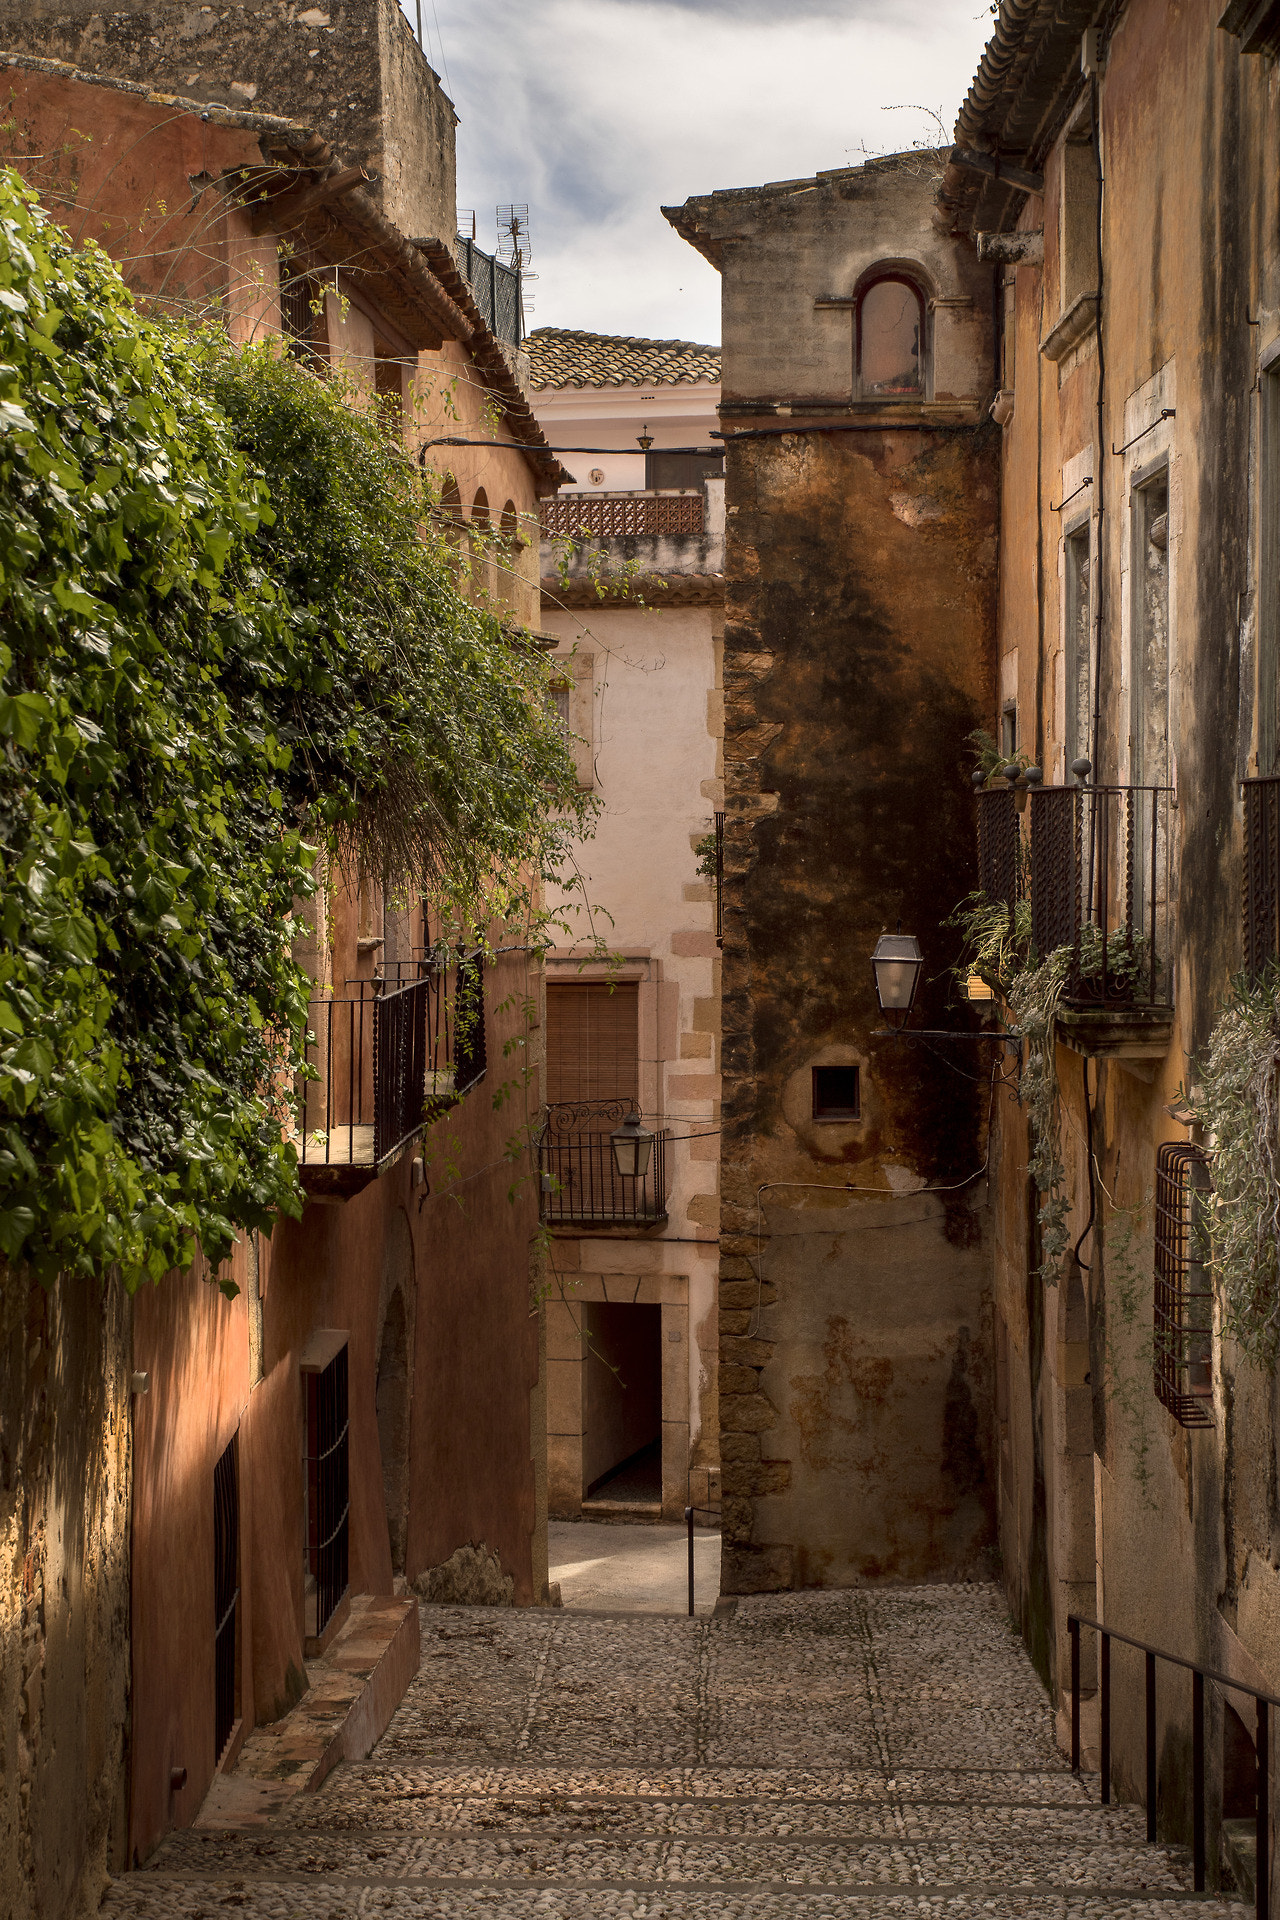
891, 340
509, 525
480, 508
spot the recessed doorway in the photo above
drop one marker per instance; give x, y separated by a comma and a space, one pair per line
622, 1426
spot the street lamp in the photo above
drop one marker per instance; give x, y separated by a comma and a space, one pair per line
896, 966
632, 1144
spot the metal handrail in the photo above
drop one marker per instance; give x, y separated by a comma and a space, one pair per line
1265, 1701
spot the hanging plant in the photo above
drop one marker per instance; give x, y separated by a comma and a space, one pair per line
1033, 1002
1238, 1105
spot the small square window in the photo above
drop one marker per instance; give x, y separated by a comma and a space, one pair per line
837, 1093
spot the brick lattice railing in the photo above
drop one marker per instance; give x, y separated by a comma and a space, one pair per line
614, 516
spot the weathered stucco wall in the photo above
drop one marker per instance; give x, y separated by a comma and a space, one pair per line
645, 700
855, 1375
1106, 1503
848, 701
64, 1595
352, 69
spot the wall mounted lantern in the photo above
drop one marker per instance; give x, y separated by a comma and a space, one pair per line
632, 1144
645, 438
896, 966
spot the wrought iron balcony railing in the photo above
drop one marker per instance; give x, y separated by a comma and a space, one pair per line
1100, 883
620, 516
1001, 867
495, 288
581, 1185
1261, 873
389, 1056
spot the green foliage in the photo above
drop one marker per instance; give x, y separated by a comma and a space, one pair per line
421, 726
147, 869
1033, 1001
997, 942
190, 683
1238, 1105
1131, 1336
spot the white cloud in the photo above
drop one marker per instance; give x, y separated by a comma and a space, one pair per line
598, 112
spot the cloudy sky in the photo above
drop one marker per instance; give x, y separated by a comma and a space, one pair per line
598, 112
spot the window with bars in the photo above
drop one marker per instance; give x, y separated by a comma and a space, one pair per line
326, 1482
226, 1592
1183, 1285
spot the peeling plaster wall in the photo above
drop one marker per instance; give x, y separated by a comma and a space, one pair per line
64, 1595
350, 68
855, 1362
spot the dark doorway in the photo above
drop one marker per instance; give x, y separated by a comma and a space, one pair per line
392, 1405
226, 1593
622, 1436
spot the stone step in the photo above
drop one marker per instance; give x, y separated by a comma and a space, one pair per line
159, 1897
645, 1859
819, 1819
375, 1781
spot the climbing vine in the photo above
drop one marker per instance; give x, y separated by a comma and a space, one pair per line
1237, 1103
196, 683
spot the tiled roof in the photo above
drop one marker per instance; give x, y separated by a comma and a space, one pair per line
559, 357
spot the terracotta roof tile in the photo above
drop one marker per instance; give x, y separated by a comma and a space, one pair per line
560, 357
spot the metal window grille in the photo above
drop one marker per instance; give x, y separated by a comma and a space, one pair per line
621, 516
581, 1185
327, 1492
719, 879
495, 288
226, 1592
1055, 867
1101, 884
1261, 874
999, 846
1183, 1285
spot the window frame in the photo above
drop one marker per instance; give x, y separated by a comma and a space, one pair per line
902, 274
829, 1115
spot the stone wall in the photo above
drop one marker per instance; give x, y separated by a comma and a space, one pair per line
64, 1595
855, 1363
350, 68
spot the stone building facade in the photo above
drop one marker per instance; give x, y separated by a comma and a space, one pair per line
168, 1589
860, 559
1116, 167
633, 593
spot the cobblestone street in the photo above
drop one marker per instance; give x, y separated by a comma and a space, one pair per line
855, 1753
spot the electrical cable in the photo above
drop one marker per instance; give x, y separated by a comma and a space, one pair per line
827, 1186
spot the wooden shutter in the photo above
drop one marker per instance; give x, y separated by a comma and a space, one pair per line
592, 1041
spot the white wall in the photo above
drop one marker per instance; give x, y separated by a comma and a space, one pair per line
676, 416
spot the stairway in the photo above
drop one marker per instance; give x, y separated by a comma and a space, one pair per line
874, 1753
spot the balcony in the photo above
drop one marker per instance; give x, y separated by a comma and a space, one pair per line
581, 1185
495, 288
1095, 862
386, 1059
626, 542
